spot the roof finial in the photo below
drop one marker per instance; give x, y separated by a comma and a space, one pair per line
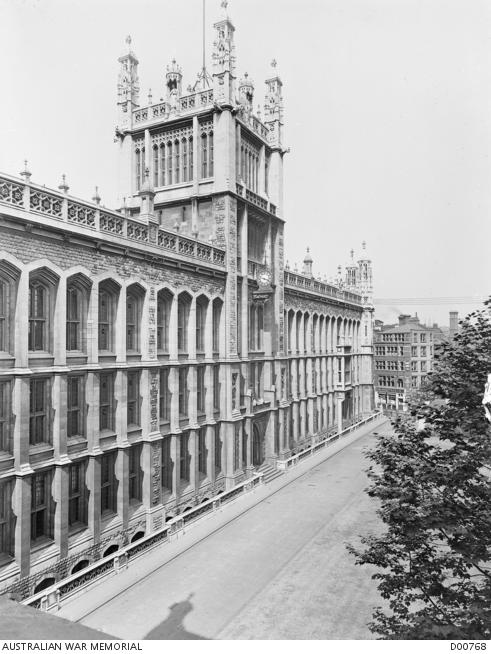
128, 42
26, 173
364, 245
97, 197
274, 63
149, 97
63, 186
224, 4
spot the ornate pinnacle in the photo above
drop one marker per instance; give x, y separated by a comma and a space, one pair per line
63, 186
97, 197
26, 174
149, 96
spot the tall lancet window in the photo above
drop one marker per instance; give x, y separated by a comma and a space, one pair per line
138, 169
210, 154
169, 162
176, 162
162, 164
184, 160
191, 159
155, 165
204, 156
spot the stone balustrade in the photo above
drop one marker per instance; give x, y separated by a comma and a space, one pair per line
38, 200
186, 103
295, 280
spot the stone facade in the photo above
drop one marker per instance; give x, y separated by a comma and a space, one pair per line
153, 356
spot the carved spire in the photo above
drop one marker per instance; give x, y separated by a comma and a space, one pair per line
273, 106
26, 173
128, 85
224, 59
96, 199
307, 264
64, 186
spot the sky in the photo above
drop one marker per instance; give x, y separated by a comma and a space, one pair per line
387, 117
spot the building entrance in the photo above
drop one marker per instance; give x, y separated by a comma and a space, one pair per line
258, 450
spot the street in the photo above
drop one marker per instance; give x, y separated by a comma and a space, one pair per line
278, 571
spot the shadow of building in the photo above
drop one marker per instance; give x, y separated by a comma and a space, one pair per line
172, 628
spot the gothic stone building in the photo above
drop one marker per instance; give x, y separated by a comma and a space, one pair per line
154, 356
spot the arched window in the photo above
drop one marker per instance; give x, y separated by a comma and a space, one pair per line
201, 308
164, 305
169, 162
183, 306
73, 318
108, 302
162, 164
259, 327
184, 148
38, 317
217, 316
210, 154
134, 305
176, 162
155, 165
4, 315
138, 168
191, 159
204, 156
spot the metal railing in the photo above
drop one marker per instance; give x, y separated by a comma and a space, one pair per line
331, 437
52, 596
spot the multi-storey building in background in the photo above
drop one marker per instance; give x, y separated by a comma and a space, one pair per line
403, 358
153, 356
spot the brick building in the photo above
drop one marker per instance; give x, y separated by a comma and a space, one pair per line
403, 358
153, 356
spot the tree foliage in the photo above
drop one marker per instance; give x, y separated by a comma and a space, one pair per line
432, 478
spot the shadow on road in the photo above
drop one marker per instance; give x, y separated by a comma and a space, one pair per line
172, 628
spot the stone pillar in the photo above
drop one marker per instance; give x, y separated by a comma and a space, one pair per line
173, 354
339, 411
122, 475
120, 397
174, 399
22, 509
120, 327
93, 325
210, 450
175, 453
192, 330
93, 481
194, 463
60, 482
59, 318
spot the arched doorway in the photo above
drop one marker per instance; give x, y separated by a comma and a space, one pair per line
257, 446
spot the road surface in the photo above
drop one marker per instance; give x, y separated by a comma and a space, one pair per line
278, 571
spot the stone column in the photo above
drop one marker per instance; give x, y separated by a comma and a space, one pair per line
60, 482
173, 354
122, 475
59, 318
175, 453
194, 463
120, 327
21, 505
210, 449
93, 481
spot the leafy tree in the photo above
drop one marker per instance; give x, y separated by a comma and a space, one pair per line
432, 478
